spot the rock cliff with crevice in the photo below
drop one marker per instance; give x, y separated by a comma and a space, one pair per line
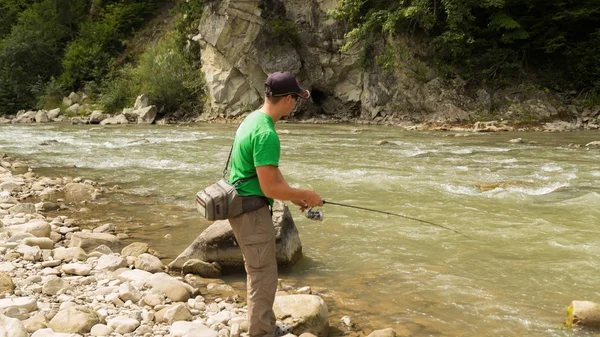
244, 41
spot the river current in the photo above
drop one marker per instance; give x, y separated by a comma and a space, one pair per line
532, 244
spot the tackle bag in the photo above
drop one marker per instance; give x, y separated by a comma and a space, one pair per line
220, 201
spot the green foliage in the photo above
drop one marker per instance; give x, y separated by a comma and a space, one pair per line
491, 40
119, 90
285, 30
165, 74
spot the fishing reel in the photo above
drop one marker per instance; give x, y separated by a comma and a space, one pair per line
314, 215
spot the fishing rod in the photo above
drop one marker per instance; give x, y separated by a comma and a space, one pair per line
316, 215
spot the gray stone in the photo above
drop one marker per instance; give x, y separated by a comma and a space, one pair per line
54, 113
217, 243
146, 115
201, 268
141, 102
42, 117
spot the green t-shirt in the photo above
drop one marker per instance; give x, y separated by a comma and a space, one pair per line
256, 144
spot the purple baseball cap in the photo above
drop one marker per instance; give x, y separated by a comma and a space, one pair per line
282, 84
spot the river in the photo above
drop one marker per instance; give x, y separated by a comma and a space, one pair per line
532, 244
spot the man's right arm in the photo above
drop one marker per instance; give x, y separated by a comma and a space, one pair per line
274, 186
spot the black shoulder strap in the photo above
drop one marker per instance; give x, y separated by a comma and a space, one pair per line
235, 183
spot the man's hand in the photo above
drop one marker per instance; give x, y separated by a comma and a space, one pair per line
301, 203
313, 199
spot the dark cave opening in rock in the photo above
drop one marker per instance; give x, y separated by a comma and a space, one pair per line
318, 97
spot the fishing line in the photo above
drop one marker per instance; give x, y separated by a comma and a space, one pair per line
389, 213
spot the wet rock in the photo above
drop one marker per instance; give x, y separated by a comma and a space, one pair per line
304, 313
202, 268
488, 186
217, 243
135, 249
26, 208
75, 319
89, 241
517, 140
76, 192
382, 142
389, 332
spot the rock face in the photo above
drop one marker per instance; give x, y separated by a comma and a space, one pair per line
217, 243
242, 43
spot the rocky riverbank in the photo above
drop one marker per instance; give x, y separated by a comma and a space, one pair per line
57, 279
76, 110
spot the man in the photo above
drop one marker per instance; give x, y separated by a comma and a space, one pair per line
255, 164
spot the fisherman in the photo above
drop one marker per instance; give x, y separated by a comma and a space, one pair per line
256, 152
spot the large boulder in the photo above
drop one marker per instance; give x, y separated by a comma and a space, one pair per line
303, 313
42, 117
217, 243
145, 115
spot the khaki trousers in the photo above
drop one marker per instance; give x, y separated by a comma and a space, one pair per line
255, 234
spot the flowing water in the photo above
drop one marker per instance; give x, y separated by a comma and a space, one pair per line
532, 243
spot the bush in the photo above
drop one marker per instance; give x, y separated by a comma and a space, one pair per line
165, 74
